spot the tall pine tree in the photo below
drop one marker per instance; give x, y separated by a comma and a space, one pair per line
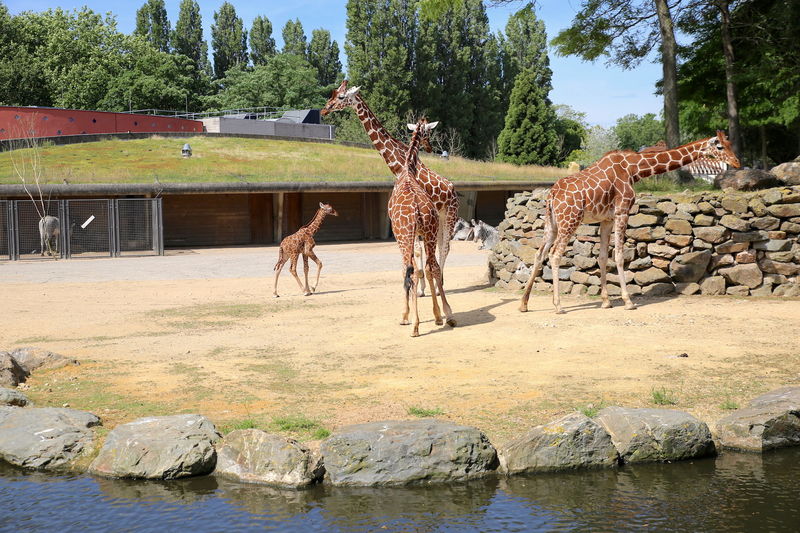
323, 54
228, 39
152, 24
187, 39
294, 38
262, 44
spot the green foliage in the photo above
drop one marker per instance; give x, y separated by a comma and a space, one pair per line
323, 55
228, 39
423, 412
300, 424
591, 409
571, 129
634, 132
187, 39
597, 142
663, 396
262, 45
294, 38
152, 24
729, 405
286, 80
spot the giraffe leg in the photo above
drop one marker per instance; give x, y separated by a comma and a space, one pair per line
448, 312
314, 258
419, 266
437, 315
406, 298
278, 269
293, 270
549, 239
305, 272
621, 223
414, 281
605, 233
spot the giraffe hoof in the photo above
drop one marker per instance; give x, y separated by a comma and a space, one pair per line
630, 307
415, 334
439, 322
559, 311
523, 308
276, 296
451, 322
404, 322
606, 305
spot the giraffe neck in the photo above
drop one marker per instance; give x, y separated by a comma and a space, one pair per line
390, 148
412, 154
316, 222
652, 163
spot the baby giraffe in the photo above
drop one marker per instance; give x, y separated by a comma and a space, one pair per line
302, 242
413, 213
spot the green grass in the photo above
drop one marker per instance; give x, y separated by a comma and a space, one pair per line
590, 409
221, 159
247, 423
729, 405
302, 425
663, 396
424, 413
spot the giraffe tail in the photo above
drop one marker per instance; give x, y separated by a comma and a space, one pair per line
407, 283
280, 259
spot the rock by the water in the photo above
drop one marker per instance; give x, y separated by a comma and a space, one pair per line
32, 358
256, 456
45, 438
573, 441
772, 420
11, 373
652, 435
159, 447
13, 398
406, 451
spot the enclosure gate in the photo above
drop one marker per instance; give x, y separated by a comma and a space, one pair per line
87, 228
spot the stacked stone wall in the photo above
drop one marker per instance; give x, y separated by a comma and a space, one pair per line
716, 242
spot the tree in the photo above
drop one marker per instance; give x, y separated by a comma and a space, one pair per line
628, 32
598, 141
228, 39
262, 45
187, 39
294, 38
323, 54
287, 80
152, 24
571, 130
636, 132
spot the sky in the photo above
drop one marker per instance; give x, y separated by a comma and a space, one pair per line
603, 92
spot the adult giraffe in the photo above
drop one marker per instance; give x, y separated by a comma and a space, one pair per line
440, 189
604, 193
413, 214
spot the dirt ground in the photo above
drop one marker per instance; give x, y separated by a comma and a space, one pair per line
199, 331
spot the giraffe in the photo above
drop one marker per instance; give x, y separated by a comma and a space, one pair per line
413, 214
604, 193
440, 189
302, 242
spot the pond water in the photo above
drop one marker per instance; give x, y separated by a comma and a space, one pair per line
734, 492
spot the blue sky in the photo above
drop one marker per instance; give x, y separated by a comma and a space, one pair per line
603, 92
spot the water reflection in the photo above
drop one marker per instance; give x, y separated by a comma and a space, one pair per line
734, 492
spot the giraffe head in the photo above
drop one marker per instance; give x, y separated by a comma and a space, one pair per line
719, 148
328, 209
340, 98
424, 133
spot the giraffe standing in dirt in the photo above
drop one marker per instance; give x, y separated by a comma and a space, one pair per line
604, 193
302, 242
439, 189
413, 214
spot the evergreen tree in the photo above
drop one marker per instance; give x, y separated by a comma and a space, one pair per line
187, 39
294, 38
228, 39
262, 44
152, 24
323, 54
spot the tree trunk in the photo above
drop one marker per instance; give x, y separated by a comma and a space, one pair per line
734, 133
670, 71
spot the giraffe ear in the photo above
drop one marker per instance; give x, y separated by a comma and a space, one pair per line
432, 125
321, 205
412, 127
352, 91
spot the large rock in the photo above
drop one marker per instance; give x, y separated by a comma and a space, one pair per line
748, 275
46, 438
12, 397
32, 358
256, 456
688, 268
11, 373
788, 173
651, 435
770, 421
748, 179
712, 234
406, 451
571, 442
161, 447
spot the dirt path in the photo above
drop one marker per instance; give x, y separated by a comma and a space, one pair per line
200, 332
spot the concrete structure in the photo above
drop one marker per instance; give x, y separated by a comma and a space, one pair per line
27, 122
278, 128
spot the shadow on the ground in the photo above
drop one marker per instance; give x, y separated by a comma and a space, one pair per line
481, 315
616, 303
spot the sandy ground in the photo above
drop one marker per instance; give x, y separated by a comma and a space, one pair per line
199, 331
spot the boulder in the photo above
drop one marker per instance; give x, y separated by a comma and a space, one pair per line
571, 442
679, 227
657, 289
788, 173
44, 438
748, 275
748, 179
256, 456
712, 234
160, 447
652, 435
770, 421
11, 373
784, 210
735, 223
688, 268
33, 358
12, 397
651, 275
406, 451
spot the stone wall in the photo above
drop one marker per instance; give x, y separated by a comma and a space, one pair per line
716, 242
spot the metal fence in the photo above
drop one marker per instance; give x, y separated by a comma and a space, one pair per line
82, 228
